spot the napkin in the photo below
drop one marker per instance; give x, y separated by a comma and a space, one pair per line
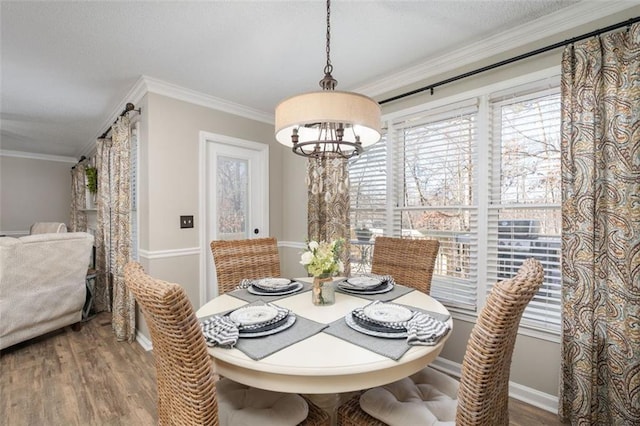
425, 330
219, 330
244, 284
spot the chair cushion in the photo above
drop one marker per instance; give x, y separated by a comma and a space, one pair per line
241, 405
426, 398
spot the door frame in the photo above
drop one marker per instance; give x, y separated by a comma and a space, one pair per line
207, 138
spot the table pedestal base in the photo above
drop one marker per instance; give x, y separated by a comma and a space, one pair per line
330, 402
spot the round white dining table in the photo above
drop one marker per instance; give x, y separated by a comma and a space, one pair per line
322, 364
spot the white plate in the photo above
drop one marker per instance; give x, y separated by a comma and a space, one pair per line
272, 283
353, 291
253, 315
257, 292
357, 327
363, 282
291, 319
387, 312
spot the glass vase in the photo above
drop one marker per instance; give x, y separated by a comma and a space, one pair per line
323, 292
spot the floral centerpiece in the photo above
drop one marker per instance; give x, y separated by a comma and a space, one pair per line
322, 260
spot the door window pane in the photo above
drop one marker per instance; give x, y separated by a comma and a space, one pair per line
232, 192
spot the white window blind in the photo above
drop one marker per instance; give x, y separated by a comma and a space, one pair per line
368, 195
368, 187
435, 195
525, 219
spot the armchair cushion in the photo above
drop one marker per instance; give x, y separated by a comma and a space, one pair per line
241, 405
428, 398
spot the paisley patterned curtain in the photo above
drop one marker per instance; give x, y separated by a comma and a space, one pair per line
113, 238
600, 382
328, 205
102, 292
78, 219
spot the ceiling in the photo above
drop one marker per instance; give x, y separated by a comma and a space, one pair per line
66, 67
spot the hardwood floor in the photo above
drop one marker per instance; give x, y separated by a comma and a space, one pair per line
88, 378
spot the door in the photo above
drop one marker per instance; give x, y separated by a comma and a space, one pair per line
237, 196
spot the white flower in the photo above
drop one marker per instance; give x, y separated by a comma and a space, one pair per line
307, 258
322, 258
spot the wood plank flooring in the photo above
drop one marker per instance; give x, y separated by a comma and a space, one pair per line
88, 378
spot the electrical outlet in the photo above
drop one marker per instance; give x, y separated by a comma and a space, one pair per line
186, 222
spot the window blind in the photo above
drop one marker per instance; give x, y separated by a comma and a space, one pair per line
368, 188
435, 198
525, 219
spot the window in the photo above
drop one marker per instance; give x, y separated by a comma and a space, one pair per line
436, 175
524, 206
482, 176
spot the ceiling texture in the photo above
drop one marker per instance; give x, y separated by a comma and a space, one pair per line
67, 67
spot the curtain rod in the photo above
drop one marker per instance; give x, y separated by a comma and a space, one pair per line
79, 161
128, 107
515, 58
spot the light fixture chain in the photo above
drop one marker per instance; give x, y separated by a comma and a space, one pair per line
329, 67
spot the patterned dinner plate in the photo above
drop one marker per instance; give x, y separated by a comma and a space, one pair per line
387, 312
363, 283
253, 315
287, 290
291, 319
377, 333
272, 283
382, 288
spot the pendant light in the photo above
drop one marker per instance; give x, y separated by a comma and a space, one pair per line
328, 123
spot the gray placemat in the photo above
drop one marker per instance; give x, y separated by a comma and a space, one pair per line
243, 294
397, 291
391, 348
261, 347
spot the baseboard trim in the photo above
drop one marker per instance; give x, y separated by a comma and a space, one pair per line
517, 391
143, 341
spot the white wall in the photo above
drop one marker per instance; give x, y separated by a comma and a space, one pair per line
33, 190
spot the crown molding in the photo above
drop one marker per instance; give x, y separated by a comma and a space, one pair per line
545, 26
35, 156
149, 84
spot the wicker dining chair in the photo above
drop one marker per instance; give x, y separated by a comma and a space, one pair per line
410, 262
481, 397
185, 378
236, 260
